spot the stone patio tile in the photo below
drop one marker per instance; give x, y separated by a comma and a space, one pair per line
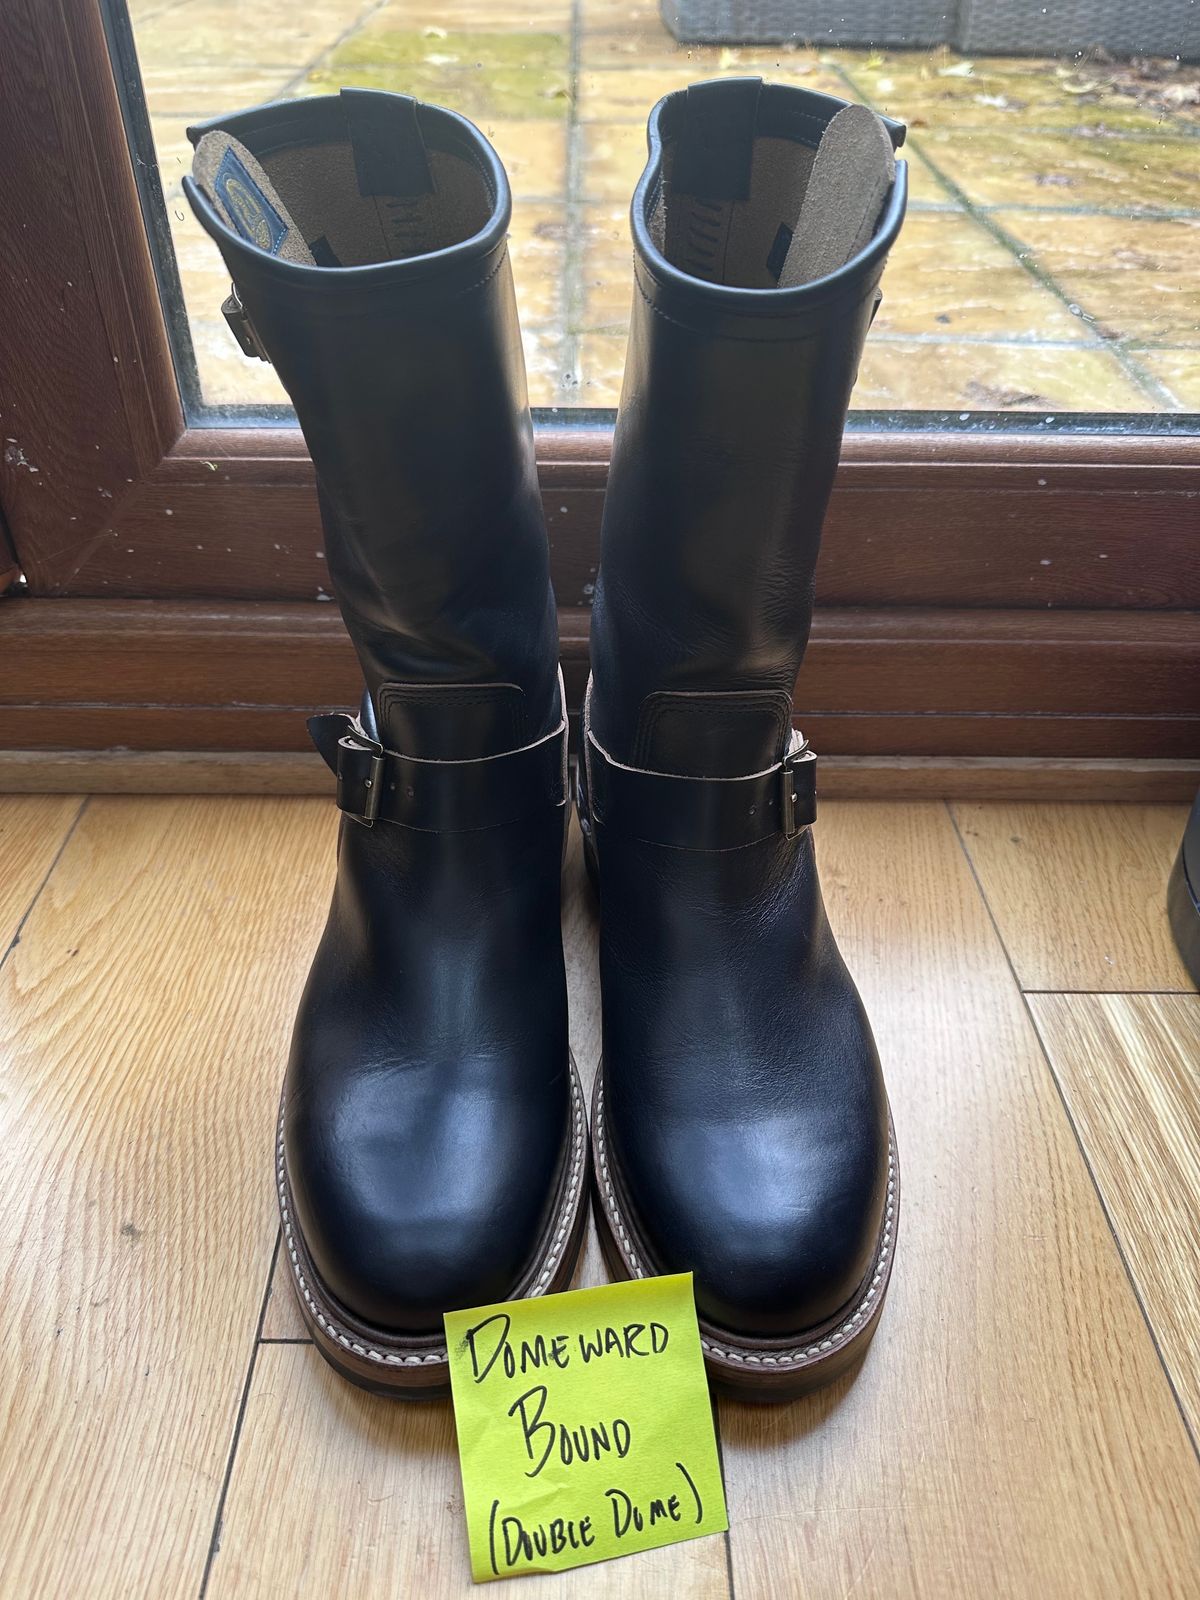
227, 377
1064, 169
934, 89
993, 377
435, 17
1179, 373
537, 242
228, 33
607, 269
613, 155
601, 366
543, 365
925, 188
948, 276
193, 92
534, 156
1137, 278
139, 10
622, 16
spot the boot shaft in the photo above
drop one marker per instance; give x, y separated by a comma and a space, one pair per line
747, 326
366, 238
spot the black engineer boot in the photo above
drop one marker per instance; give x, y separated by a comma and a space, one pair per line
740, 1125
432, 1143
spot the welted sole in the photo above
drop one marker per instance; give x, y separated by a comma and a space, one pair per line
766, 1370
414, 1367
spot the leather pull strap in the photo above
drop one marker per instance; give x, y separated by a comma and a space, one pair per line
714, 152
375, 784
702, 813
389, 150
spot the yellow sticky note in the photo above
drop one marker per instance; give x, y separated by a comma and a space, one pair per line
584, 1426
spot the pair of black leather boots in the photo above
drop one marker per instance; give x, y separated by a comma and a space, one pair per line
433, 1148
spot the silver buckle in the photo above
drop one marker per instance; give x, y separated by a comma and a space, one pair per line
787, 775
364, 808
242, 328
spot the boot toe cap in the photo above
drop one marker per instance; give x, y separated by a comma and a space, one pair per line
778, 1245
403, 1223
401, 1279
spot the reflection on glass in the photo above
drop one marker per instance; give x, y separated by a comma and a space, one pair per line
1050, 263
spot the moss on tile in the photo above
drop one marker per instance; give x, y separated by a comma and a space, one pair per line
936, 89
1066, 169
517, 76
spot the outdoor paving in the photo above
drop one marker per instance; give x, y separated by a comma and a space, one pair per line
1050, 261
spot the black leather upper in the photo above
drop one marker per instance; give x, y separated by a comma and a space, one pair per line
745, 1109
727, 441
408, 380
744, 1103
426, 1103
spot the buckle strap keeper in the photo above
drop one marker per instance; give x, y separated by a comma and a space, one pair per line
702, 813
375, 784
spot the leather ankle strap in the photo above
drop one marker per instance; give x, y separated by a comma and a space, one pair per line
375, 784
701, 813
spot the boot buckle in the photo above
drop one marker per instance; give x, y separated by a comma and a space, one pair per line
797, 806
360, 769
241, 327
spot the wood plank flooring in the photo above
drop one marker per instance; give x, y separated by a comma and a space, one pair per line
1024, 1425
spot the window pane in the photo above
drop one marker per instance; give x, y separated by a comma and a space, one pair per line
1050, 264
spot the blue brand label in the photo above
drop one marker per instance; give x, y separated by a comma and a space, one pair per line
247, 207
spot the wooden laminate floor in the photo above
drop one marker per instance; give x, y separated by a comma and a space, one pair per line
1025, 1424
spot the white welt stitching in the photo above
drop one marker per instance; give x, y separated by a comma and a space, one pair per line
784, 1358
388, 1357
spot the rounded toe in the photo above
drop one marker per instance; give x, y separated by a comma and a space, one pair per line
405, 1220
402, 1279
778, 1245
786, 1276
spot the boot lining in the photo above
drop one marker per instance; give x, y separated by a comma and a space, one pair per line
317, 187
805, 212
